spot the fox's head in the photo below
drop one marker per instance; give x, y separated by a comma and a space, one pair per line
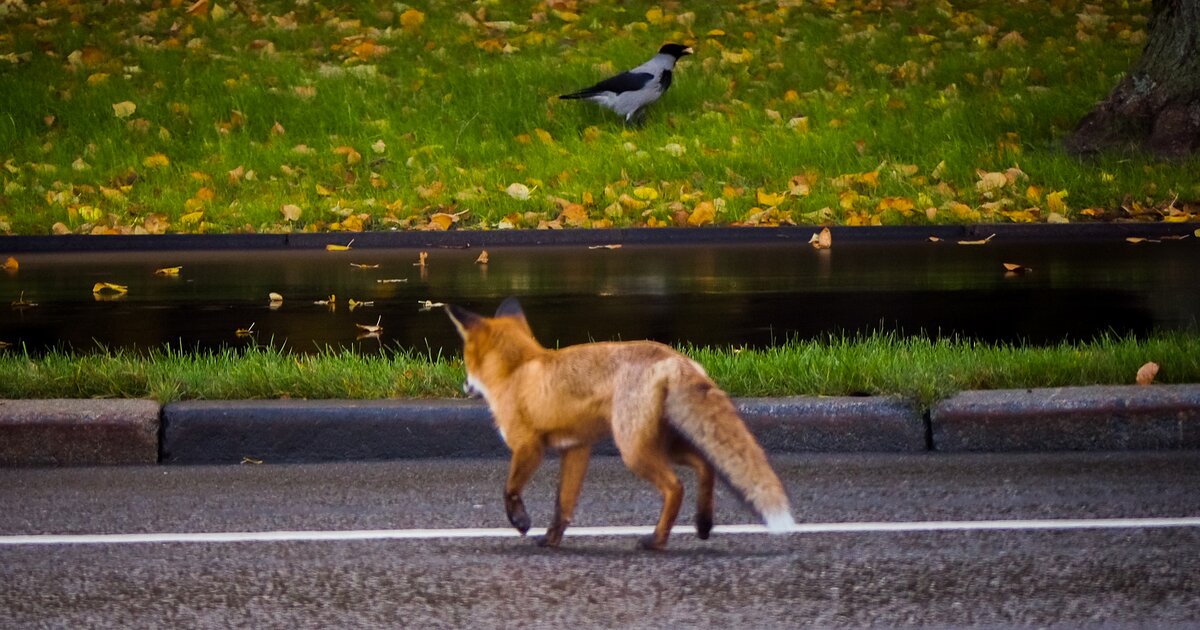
493, 346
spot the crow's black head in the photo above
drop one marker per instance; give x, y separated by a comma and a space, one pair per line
675, 50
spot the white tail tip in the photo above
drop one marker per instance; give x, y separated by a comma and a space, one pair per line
779, 522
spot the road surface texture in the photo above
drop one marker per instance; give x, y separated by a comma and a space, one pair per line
850, 569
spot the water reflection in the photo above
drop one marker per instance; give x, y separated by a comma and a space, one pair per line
753, 295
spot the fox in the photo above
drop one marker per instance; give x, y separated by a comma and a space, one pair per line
659, 406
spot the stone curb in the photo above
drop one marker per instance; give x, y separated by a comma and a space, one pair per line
278, 431
103, 432
1069, 419
78, 432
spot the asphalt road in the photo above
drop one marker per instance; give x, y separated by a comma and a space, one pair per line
1106, 578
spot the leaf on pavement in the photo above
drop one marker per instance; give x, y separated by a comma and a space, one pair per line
1146, 373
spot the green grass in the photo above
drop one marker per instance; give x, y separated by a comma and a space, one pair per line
443, 116
920, 369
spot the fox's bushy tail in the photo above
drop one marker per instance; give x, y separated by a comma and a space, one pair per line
705, 415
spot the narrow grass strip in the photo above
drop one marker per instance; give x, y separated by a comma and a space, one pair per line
920, 369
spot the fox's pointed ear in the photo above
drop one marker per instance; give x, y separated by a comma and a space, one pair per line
463, 319
510, 307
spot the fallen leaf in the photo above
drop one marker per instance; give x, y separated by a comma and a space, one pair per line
339, 248
1138, 239
364, 266
823, 240
1146, 373
168, 271
645, 193
391, 280
11, 264
245, 332
108, 287
427, 305
357, 303
124, 109
934, 239
330, 301
979, 242
483, 258
518, 191
421, 258
22, 303
274, 297
704, 213
1016, 268
769, 199
411, 20
613, 246
157, 160
291, 212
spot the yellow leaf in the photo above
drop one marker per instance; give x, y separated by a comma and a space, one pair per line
442, 220
544, 136
105, 287
1016, 268
323, 191
411, 20
1138, 239
352, 156
157, 160
192, 217
1055, 203
124, 109
704, 213
645, 193
338, 248
566, 16
769, 199
275, 298
168, 271
482, 259
11, 264
574, 215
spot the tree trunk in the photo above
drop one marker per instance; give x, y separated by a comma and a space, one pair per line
1156, 107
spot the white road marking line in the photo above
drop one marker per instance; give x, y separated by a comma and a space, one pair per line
434, 534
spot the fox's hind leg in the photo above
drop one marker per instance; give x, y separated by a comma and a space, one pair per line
656, 469
686, 455
573, 467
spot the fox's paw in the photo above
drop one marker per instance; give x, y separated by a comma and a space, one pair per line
515, 508
519, 520
547, 542
704, 525
651, 543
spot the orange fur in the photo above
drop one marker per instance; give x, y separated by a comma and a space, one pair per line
659, 406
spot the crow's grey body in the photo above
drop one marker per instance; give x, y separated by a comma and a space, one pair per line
630, 92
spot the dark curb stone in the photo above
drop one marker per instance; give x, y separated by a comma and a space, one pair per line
575, 237
230, 432
1069, 419
834, 424
78, 432
279, 431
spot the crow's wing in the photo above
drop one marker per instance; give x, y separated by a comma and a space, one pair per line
624, 82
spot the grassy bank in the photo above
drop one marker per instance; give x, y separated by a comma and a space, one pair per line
214, 116
920, 369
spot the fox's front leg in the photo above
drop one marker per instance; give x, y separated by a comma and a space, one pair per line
572, 470
525, 461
